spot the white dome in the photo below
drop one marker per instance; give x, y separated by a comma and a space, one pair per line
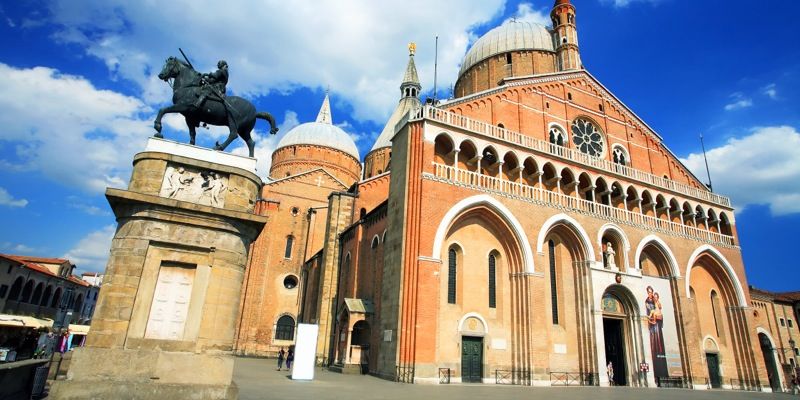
320, 134
512, 35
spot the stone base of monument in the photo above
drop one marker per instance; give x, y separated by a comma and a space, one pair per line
166, 317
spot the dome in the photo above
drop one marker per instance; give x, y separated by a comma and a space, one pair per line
320, 134
512, 35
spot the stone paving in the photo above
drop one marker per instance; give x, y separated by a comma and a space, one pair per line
259, 379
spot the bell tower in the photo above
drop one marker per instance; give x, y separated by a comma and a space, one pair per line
565, 35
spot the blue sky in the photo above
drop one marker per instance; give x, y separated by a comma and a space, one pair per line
78, 94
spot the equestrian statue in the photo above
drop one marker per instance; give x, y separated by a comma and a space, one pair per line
201, 98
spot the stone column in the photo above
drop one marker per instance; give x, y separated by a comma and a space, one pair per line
166, 318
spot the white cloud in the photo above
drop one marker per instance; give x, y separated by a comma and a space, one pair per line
91, 252
625, 3
358, 48
17, 248
760, 168
770, 91
72, 132
76, 203
266, 143
6, 199
526, 12
739, 101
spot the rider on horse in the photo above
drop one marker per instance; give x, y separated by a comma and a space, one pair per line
214, 84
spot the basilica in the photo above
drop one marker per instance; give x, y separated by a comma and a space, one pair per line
532, 230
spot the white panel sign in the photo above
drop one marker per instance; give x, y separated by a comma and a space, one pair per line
560, 348
305, 352
387, 335
499, 344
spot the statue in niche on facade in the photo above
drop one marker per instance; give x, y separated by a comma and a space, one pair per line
610, 256
199, 99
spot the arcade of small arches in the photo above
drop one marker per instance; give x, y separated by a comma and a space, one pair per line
36, 293
570, 181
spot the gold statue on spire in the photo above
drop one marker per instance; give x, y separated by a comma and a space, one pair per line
412, 48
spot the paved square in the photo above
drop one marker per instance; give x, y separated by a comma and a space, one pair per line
258, 379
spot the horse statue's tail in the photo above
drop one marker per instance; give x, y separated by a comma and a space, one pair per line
269, 118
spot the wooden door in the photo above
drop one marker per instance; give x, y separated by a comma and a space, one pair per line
713, 370
471, 359
170, 303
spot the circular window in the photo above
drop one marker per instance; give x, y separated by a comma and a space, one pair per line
290, 282
587, 138
295, 211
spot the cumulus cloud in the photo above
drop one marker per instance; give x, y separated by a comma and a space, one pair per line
357, 48
81, 205
738, 102
91, 252
6, 199
760, 168
266, 143
69, 130
526, 12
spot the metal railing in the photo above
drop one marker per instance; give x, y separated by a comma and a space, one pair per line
746, 385
574, 379
404, 374
538, 195
444, 376
512, 377
672, 382
541, 146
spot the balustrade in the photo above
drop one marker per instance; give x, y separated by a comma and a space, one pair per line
558, 200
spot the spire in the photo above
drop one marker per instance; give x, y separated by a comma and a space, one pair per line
324, 115
411, 77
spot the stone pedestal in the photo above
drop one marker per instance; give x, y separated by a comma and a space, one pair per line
166, 317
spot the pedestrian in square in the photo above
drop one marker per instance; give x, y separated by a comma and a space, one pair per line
281, 356
290, 358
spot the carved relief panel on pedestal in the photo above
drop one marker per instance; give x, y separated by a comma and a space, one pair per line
204, 187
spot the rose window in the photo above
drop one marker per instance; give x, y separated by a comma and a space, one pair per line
587, 138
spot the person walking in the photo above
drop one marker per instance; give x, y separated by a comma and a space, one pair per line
281, 356
610, 372
290, 358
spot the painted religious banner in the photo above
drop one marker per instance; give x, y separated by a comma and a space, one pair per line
663, 334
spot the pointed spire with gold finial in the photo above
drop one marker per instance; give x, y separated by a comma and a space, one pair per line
410, 79
324, 115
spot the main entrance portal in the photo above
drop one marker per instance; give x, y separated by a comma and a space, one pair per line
712, 359
615, 349
471, 359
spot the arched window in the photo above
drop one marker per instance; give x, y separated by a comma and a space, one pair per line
46, 297
715, 309
37, 294
56, 298
284, 329
492, 283
551, 247
557, 136
16, 289
619, 156
288, 251
451, 276
26, 292
374, 244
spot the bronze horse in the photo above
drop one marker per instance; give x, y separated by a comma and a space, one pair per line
238, 114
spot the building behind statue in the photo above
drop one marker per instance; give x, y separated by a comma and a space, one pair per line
532, 227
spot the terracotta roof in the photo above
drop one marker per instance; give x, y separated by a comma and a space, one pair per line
789, 297
46, 260
32, 263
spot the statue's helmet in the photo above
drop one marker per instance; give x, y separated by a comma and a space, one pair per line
221, 64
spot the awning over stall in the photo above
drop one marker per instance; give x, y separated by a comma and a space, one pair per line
78, 329
24, 321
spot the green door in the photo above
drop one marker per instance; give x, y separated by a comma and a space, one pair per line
471, 359
713, 370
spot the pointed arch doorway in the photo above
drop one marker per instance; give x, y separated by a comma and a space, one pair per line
619, 334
